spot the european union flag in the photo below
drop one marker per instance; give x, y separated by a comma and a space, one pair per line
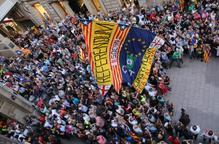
132, 52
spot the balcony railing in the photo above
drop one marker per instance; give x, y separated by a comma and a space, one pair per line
15, 106
5, 140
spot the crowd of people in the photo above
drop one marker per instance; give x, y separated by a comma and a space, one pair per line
49, 73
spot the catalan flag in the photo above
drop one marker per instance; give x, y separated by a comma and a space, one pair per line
86, 26
82, 56
207, 54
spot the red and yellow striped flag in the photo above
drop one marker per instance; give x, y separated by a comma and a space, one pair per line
116, 45
207, 53
82, 56
206, 56
87, 29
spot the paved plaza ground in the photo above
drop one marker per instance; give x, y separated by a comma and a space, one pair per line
195, 87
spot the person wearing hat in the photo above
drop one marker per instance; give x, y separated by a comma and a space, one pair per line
195, 129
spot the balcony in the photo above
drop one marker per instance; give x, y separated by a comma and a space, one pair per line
7, 140
15, 106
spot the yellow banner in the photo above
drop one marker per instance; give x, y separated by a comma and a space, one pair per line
101, 41
144, 72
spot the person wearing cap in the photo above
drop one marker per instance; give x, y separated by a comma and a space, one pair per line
195, 129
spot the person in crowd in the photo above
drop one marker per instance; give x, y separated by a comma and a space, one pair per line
208, 136
177, 58
184, 119
195, 129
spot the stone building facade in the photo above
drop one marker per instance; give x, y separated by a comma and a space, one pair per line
95, 6
105, 6
27, 13
152, 3
55, 10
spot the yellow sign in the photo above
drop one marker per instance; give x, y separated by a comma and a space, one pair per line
144, 72
102, 37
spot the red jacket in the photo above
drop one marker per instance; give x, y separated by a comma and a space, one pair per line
173, 140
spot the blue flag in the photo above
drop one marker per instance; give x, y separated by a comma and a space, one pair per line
132, 52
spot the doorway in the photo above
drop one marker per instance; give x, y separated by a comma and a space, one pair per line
78, 6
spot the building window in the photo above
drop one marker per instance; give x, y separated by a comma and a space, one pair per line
42, 11
59, 9
63, 7
97, 5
